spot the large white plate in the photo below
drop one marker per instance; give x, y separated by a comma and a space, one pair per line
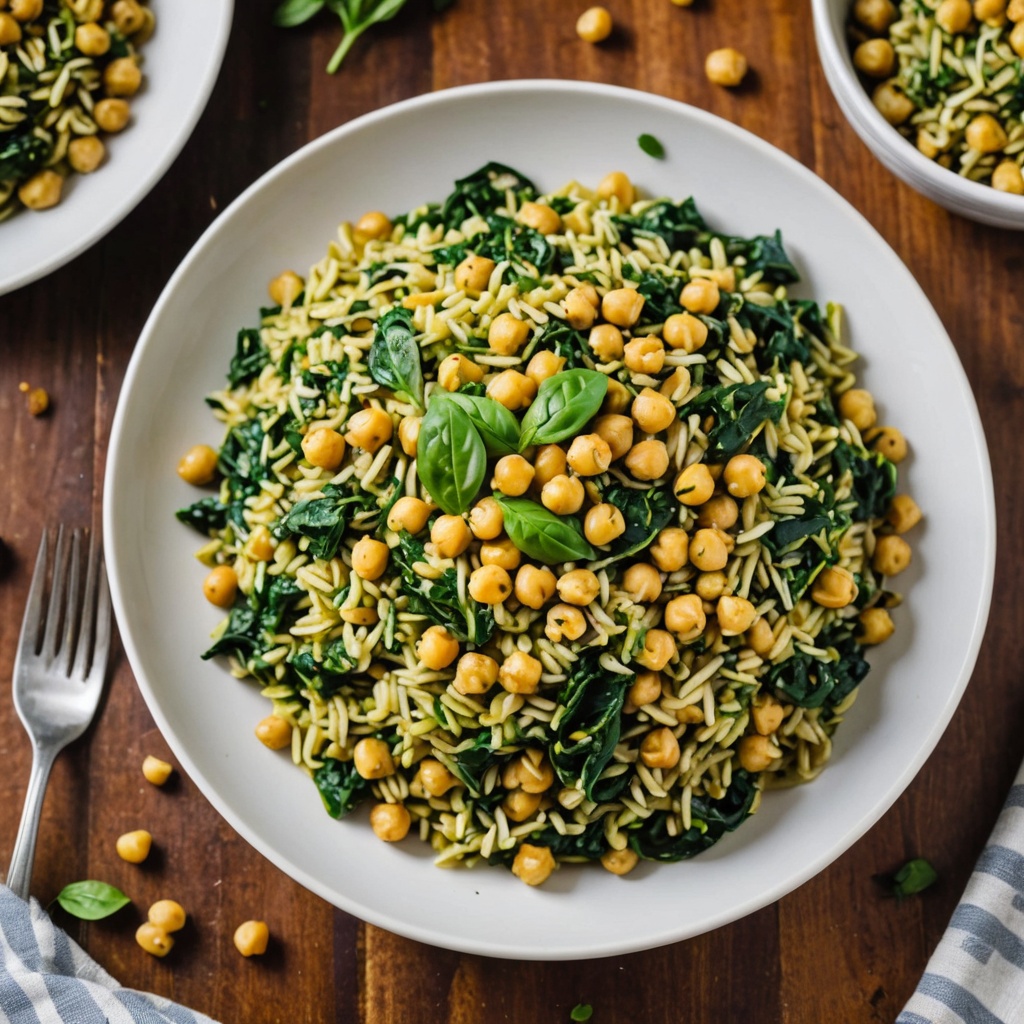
552, 131
180, 63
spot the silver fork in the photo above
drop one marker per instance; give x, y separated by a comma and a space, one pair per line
58, 672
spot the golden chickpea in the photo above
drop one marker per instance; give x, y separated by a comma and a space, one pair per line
513, 475
490, 584
1017, 39
735, 614
892, 555
858, 406
168, 915
621, 862
26, 10
954, 16
760, 638
198, 465
887, 440
409, 434
10, 30
542, 365
564, 623
1015, 10
436, 779
876, 15
361, 615
486, 520
708, 550
540, 217
876, 58
92, 40
685, 331
589, 455
603, 523
605, 341
134, 847
756, 753
274, 733
501, 552
156, 771
369, 429
926, 144
122, 77
985, 134
660, 749
520, 805
646, 689
700, 296
128, 16
520, 673
535, 586
154, 939
648, 460
659, 649
642, 582
251, 938
652, 412
721, 512
473, 274
409, 514
43, 189
533, 864
711, 585
531, 771
892, 103
390, 822
475, 673
450, 536
903, 514
684, 616
617, 430
622, 306
437, 648
834, 587
372, 758
580, 309
767, 714
111, 115
455, 370
618, 398
86, 153
579, 587
670, 550
617, 185
371, 226
644, 355
694, 485
507, 334
513, 389
563, 495
548, 463
220, 586
594, 25
744, 476
1007, 177
876, 626
324, 448
727, 67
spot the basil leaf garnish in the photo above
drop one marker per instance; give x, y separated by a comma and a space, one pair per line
91, 900
452, 458
497, 426
394, 360
563, 405
541, 534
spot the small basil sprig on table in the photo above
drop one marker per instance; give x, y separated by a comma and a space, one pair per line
451, 457
915, 876
91, 900
563, 405
497, 426
394, 360
540, 534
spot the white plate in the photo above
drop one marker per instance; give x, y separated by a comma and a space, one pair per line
180, 64
393, 160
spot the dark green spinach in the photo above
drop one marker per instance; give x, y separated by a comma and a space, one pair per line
249, 359
739, 410
394, 360
811, 682
341, 787
323, 520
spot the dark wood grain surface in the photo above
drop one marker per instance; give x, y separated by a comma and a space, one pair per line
834, 950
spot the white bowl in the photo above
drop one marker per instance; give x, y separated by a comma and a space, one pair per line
947, 188
180, 64
393, 160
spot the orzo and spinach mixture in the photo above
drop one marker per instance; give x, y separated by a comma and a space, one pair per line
551, 526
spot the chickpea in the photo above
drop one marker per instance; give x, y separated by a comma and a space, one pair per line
617, 185
652, 412
564, 623
86, 153
513, 475
622, 306
875, 57
617, 399
685, 331
892, 103
605, 341
646, 689
644, 355
473, 274
128, 16
621, 862
735, 615
1017, 40
579, 587
520, 673
486, 520
111, 115
10, 30
594, 25
760, 638
617, 430
756, 753
603, 523
455, 370
887, 440
501, 552
490, 584
198, 465
767, 714
711, 585
475, 673
372, 758
834, 587
533, 864
251, 938
659, 649
324, 448
437, 648
670, 550
122, 77
513, 389
361, 615
563, 495
542, 365
660, 749
409, 514
26, 10
858, 406
450, 536
156, 771
876, 626
167, 914
700, 296
548, 463
708, 550
903, 514
274, 733
694, 485
540, 217
43, 189
507, 334
927, 144
436, 779
153, 939
892, 555
92, 40
744, 476
372, 225
220, 586
369, 429
985, 134
648, 460
390, 822
532, 772
520, 805
642, 582
876, 15
535, 586
727, 67
134, 847
954, 16
1015, 10
720, 512
1007, 177
684, 616
409, 434
580, 307
589, 455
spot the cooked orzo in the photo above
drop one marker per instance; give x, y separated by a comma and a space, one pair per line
551, 526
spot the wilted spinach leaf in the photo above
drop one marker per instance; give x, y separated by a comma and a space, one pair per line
22, 154
738, 410
249, 359
483, 191
394, 360
207, 515
341, 786
324, 520
810, 682
646, 514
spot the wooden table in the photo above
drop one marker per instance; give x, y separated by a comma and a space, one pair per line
834, 950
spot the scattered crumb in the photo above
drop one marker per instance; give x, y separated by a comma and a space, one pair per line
23, 386
38, 401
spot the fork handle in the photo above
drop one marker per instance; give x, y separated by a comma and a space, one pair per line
20, 873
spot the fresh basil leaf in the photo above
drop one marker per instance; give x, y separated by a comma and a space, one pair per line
541, 534
498, 427
914, 877
91, 900
651, 146
452, 459
581, 1012
295, 12
563, 405
394, 360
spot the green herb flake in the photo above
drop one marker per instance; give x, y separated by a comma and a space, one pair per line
915, 876
91, 900
651, 146
582, 1011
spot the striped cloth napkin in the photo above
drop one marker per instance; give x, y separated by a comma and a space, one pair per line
976, 975
45, 978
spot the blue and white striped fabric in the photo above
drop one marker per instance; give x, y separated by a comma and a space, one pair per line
976, 975
45, 978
